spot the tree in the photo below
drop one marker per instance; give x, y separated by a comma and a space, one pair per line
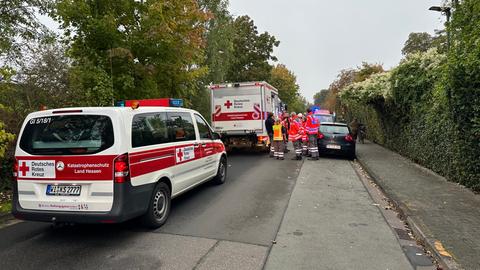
134, 49
286, 83
320, 97
19, 25
219, 36
417, 42
345, 78
252, 52
366, 70
348, 77
299, 105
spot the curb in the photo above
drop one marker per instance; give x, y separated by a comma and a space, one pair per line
447, 263
5, 217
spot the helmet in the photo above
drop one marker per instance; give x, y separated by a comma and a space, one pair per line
300, 115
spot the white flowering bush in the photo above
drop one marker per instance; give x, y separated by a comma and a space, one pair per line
376, 87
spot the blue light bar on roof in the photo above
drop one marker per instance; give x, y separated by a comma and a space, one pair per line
176, 102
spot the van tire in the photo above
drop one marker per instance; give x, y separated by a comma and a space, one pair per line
221, 176
159, 207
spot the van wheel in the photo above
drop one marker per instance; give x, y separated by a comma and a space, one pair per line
159, 207
221, 172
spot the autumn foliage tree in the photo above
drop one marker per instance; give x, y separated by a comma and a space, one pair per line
252, 52
129, 49
286, 82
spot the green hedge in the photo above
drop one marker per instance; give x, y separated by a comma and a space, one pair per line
413, 115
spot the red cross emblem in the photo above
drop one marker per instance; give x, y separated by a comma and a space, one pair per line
180, 154
24, 168
228, 104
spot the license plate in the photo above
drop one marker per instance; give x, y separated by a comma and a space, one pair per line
63, 190
334, 146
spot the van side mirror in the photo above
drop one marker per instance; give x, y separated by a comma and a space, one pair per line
216, 136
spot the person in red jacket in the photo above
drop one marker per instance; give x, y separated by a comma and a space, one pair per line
312, 127
295, 136
304, 134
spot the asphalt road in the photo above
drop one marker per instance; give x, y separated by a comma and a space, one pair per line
230, 226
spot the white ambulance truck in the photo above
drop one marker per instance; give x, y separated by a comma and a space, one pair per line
239, 111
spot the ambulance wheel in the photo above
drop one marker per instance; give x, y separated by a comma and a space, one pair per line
159, 207
221, 172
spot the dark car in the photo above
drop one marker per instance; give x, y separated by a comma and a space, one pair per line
337, 139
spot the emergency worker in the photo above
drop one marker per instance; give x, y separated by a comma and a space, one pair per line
312, 126
286, 128
269, 127
278, 140
303, 134
294, 136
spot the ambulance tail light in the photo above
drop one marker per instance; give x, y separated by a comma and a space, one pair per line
15, 170
121, 169
262, 139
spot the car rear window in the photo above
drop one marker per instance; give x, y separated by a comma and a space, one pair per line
333, 129
67, 135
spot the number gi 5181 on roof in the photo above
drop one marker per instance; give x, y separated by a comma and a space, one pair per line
111, 164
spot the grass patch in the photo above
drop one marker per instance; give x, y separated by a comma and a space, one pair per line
5, 207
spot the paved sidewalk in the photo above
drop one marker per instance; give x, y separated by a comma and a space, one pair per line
447, 214
332, 223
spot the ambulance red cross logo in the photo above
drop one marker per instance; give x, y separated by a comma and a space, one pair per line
180, 154
228, 104
183, 154
36, 168
24, 168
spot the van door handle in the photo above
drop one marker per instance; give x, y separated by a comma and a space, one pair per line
196, 145
204, 145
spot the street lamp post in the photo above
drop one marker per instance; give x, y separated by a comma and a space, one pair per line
448, 13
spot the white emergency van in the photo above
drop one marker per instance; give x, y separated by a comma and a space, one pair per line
239, 111
111, 164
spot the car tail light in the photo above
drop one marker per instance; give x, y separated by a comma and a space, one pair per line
15, 170
349, 138
121, 169
321, 136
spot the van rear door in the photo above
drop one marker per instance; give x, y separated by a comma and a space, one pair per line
65, 162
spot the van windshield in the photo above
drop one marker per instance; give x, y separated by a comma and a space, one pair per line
67, 135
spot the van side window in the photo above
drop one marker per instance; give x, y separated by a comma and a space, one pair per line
150, 129
181, 126
203, 128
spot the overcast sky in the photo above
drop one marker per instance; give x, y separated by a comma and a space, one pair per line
319, 37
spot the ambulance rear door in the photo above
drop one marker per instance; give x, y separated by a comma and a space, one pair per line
237, 110
65, 160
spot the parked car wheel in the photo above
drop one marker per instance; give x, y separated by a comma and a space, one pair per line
221, 176
159, 207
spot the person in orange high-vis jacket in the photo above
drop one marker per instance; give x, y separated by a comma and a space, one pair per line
294, 135
303, 134
278, 140
312, 127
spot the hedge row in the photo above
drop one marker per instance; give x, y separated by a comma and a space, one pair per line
411, 113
